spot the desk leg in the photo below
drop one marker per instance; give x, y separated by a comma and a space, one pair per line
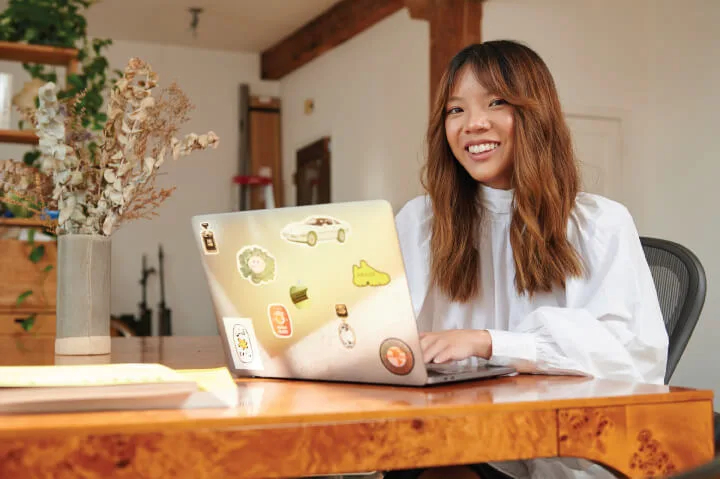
642, 440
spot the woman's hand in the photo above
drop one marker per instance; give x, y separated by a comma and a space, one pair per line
455, 345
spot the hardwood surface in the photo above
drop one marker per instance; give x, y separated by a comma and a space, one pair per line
19, 274
27, 222
21, 137
298, 428
10, 324
266, 148
22, 52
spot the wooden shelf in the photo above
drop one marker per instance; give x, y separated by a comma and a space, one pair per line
41, 54
23, 137
22, 52
25, 222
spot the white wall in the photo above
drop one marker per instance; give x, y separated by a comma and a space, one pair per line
648, 64
684, 94
596, 52
371, 98
211, 79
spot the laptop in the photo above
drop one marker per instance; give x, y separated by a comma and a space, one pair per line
317, 293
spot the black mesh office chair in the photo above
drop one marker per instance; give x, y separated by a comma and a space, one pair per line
710, 470
680, 283
681, 286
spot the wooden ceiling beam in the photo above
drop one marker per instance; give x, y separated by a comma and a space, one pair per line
454, 24
333, 27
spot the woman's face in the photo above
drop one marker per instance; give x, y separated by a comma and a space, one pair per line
479, 129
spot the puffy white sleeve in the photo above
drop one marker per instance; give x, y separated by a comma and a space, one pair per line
611, 325
413, 228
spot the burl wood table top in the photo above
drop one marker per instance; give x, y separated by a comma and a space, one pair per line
637, 429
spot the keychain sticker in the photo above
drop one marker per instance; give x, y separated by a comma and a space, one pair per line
208, 239
315, 229
256, 265
280, 321
299, 296
347, 335
243, 343
345, 331
397, 357
366, 275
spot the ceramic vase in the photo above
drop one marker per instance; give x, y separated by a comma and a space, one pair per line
83, 295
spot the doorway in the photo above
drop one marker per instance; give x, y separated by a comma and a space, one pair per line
312, 174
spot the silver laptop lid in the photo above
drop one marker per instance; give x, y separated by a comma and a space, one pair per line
312, 292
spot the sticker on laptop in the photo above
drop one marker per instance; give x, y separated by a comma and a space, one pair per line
341, 310
280, 321
243, 343
366, 275
299, 296
208, 239
397, 357
256, 265
316, 229
345, 331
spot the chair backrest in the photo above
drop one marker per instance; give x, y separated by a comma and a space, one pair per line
681, 285
710, 470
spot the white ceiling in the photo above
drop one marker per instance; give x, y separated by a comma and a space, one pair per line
237, 25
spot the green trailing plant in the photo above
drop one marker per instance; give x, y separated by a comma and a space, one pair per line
37, 253
60, 23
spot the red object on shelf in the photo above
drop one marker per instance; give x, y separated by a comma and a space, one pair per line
255, 180
252, 180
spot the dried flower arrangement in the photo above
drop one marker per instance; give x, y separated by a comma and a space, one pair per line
96, 189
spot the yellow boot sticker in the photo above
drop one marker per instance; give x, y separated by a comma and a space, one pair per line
366, 275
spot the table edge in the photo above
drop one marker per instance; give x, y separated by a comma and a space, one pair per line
218, 420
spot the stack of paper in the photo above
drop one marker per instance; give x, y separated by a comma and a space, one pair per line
97, 387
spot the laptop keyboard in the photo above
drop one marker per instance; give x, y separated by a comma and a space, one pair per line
444, 369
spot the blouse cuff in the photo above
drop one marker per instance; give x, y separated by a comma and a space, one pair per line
512, 349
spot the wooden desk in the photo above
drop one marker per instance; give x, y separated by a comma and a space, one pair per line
290, 429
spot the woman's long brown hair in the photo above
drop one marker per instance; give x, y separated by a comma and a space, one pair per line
545, 177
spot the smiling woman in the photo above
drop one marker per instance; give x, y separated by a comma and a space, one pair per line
500, 115
507, 261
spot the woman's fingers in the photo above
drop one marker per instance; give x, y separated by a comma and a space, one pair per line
432, 345
444, 356
426, 340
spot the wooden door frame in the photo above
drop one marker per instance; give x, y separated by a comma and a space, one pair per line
319, 149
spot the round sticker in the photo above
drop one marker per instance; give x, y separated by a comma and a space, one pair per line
396, 356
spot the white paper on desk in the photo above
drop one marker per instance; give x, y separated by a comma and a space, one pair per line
110, 387
95, 398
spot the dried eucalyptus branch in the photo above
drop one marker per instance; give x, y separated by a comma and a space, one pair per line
25, 186
96, 191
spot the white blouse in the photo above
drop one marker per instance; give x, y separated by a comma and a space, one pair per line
606, 324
